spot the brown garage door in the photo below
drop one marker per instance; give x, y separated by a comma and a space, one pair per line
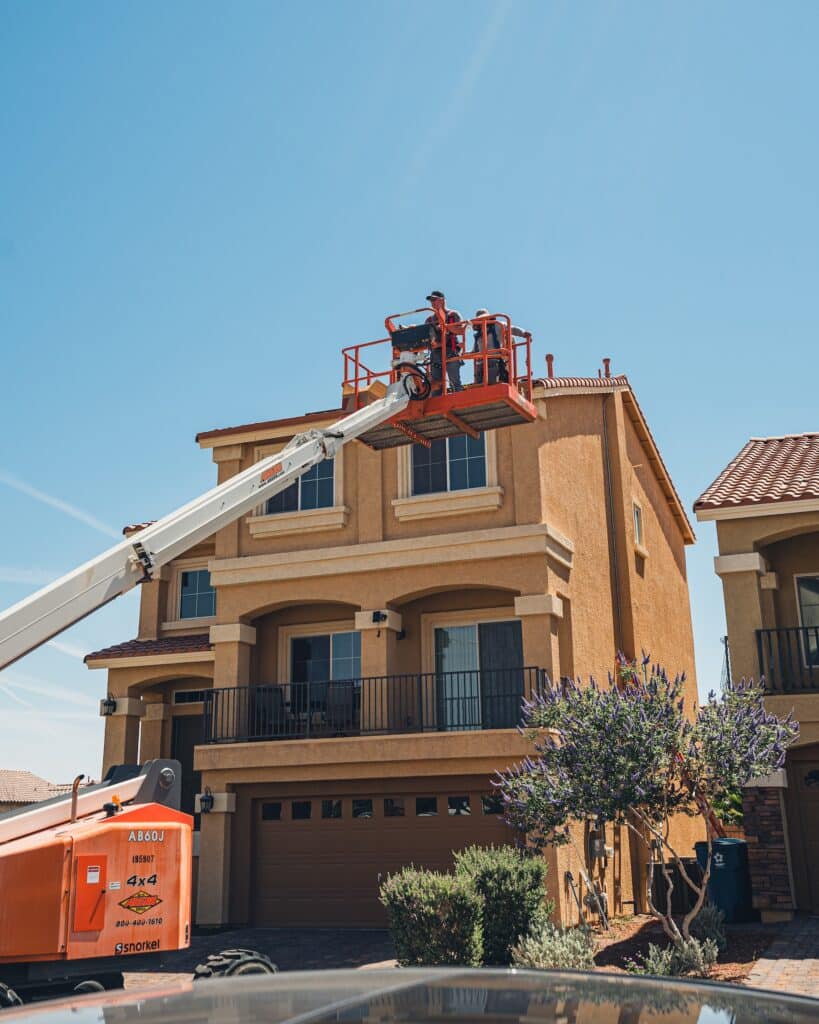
803, 814
319, 854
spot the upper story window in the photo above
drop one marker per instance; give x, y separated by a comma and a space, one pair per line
638, 525
197, 597
325, 657
314, 489
449, 464
807, 589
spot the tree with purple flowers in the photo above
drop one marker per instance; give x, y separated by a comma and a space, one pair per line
628, 754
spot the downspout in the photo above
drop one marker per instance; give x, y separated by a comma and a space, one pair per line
614, 571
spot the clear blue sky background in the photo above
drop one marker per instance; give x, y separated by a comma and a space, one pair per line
200, 203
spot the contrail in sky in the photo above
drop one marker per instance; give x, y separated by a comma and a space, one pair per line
70, 649
28, 684
58, 503
16, 696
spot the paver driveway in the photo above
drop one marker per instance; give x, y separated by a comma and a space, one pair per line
791, 962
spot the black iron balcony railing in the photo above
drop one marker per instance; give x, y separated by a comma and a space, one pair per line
427, 702
789, 659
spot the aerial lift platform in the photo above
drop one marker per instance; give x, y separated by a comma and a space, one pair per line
104, 875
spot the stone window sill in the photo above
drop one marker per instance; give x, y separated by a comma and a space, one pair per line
189, 625
448, 503
311, 521
641, 550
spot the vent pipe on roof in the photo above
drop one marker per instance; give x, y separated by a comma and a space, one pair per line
550, 365
607, 367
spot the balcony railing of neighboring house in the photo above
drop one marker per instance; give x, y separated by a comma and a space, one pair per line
427, 702
789, 659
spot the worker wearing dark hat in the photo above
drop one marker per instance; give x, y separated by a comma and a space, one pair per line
441, 316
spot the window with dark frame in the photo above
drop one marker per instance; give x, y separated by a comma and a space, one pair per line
314, 489
807, 589
458, 806
492, 803
197, 598
301, 810
426, 806
394, 807
449, 464
331, 808
362, 808
272, 811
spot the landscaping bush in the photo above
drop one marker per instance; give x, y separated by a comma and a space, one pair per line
710, 924
434, 919
686, 958
550, 946
511, 884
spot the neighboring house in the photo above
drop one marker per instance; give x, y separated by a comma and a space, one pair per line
341, 673
766, 507
19, 788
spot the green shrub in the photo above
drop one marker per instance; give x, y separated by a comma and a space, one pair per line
688, 958
434, 919
710, 924
559, 948
511, 884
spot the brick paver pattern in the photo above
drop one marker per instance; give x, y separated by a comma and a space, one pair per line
791, 962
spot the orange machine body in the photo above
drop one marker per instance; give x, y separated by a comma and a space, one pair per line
98, 887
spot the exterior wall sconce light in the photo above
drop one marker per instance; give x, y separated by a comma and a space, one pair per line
206, 801
108, 706
379, 616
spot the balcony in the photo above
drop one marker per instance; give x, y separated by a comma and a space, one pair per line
376, 705
789, 659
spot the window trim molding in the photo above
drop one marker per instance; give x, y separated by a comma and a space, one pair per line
430, 621
311, 520
640, 546
408, 506
288, 632
404, 455
174, 606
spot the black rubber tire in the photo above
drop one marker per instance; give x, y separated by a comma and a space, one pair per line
87, 987
232, 963
8, 997
423, 385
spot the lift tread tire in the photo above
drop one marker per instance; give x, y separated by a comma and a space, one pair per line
231, 963
8, 997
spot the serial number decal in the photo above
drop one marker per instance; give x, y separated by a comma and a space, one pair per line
149, 835
136, 947
137, 883
140, 902
142, 858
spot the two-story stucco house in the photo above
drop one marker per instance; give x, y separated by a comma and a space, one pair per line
341, 672
765, 504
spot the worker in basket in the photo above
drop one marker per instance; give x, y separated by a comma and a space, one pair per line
441, 316
487, 333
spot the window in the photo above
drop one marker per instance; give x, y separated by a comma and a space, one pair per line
458, 805
314, 489
479, 675
325, 656
197, 596
394, 807
807, 589
362, 808
449, 464
492, 803
301, 810
272, 811
188, 696
426, 806
331, 808
638, 526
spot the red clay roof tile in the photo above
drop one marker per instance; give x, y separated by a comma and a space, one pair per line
145, 648
767, 470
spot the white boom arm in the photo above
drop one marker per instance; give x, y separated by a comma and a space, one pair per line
49, 611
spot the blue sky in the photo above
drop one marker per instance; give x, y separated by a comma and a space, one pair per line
200, 203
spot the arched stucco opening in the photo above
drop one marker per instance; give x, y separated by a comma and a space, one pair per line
276, 628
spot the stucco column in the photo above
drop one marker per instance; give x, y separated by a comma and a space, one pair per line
382, 699
213, 890
153, 735
121, 744
231, 653
744, 608
540, 615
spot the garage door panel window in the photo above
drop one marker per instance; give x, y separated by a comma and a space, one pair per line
458, 806
492, 803
394, 807
301, 810
331, 808
362, 808
272, 811
426, 806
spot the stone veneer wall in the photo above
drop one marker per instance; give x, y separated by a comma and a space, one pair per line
767, 853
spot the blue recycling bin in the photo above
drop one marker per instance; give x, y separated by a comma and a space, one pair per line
729, 886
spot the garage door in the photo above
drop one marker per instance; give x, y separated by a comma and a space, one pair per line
319, 855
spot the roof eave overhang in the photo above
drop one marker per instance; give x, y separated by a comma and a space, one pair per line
757, 510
